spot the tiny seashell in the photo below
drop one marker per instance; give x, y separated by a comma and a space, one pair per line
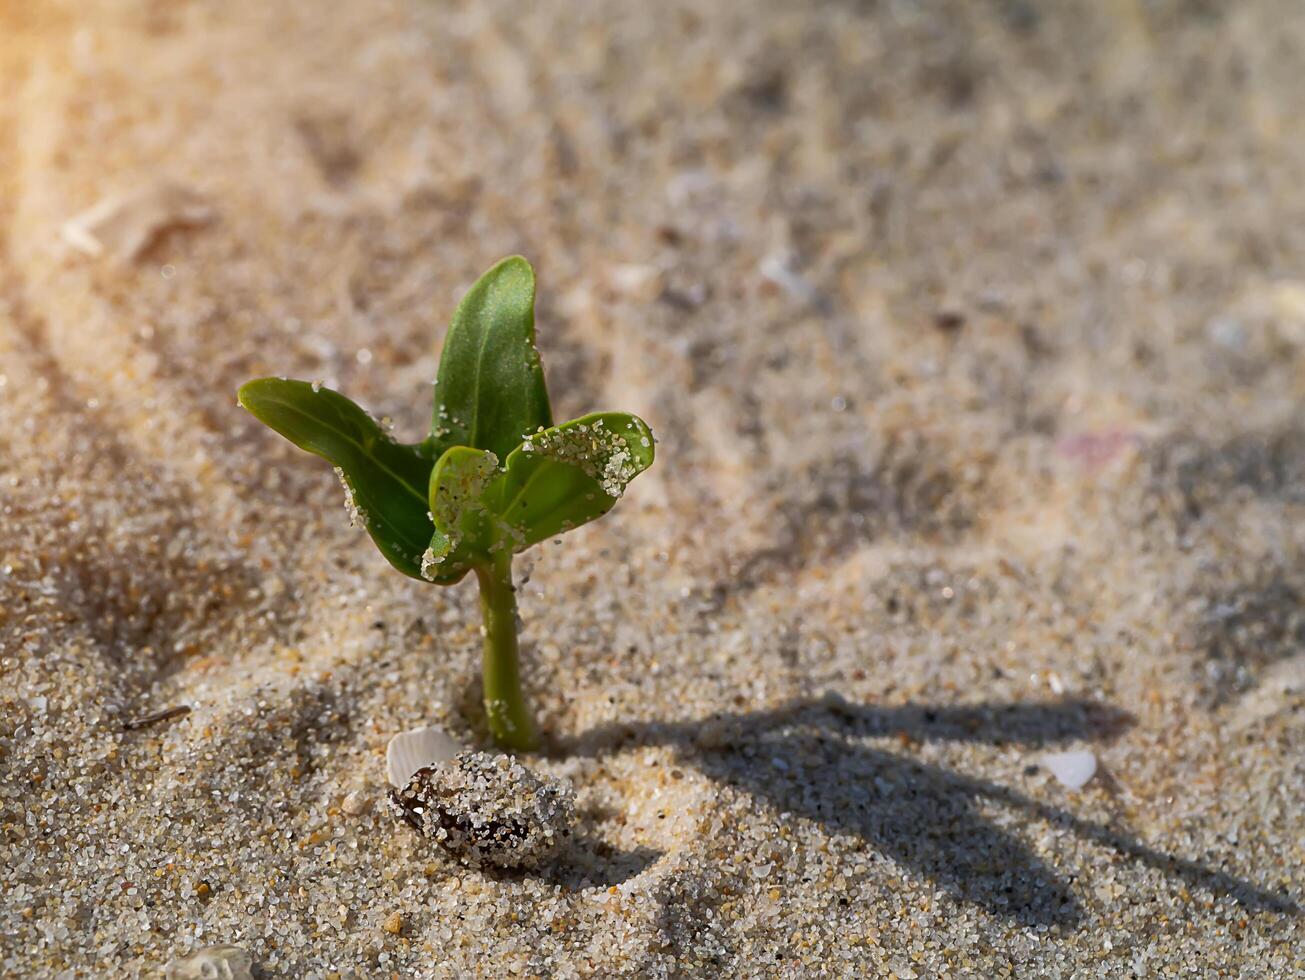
212, 963
1072, 769
417, 749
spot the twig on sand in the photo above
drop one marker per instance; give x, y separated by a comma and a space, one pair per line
167, 714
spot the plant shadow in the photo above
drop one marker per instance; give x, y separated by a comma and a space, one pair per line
589, 862
809, 759
584, 863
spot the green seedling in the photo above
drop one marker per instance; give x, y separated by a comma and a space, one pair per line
494, 476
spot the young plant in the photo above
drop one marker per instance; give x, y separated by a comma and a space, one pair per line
494, 476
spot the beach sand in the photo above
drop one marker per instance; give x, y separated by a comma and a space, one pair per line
971, 334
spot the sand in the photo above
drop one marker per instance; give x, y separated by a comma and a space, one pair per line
972, 335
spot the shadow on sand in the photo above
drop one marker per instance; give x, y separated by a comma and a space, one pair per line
809, 759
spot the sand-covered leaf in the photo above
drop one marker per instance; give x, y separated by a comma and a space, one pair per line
569, 475
386, 482
463, 524
490, 390
559, 478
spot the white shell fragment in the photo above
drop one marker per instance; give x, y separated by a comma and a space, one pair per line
1072, 769
126, 225
417, 749
488, 809
212, 963
640, 282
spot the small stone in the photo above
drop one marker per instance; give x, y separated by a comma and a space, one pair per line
356, 803
212, 963
1072, 769
393, 924
779, 268
948, 320
488, 809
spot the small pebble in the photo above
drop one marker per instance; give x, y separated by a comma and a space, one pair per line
393, 924
212, 963
488, 809
356, 803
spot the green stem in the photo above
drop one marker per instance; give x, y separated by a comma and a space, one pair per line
510, 721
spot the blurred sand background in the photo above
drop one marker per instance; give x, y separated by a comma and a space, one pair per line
972, 332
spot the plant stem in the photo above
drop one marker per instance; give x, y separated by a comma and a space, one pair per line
510, 721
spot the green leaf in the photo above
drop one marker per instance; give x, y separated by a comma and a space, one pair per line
490, 390
557, 479
386, 482
464, 525
568, 475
